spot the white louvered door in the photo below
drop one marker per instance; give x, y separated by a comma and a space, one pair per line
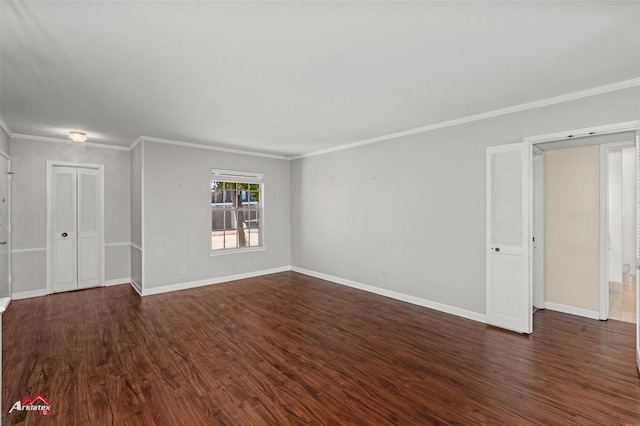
508, 284
63, 209
75, 229
88, 229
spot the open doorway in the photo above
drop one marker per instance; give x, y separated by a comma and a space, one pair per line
619, 199
577, 246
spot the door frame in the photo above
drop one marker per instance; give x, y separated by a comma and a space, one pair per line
50, 164
627, 126
637, 247
537, 228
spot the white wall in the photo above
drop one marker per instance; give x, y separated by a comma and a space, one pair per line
29, 208
415, 206
177, 215
629, 207
614, 164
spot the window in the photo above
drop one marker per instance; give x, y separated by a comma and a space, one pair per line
236, 210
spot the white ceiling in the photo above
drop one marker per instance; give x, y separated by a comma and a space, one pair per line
296, 77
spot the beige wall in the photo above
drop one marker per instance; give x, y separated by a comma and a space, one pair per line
572, 227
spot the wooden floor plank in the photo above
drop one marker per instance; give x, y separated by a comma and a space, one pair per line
292, 349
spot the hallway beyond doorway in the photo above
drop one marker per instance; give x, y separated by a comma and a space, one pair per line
622, 305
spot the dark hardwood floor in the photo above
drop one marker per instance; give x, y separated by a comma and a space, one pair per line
291, 349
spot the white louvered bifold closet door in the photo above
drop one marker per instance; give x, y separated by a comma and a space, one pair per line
508, 298
76, 211
64, 256
88, 229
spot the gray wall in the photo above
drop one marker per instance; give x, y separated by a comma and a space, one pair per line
29, 208
177, 215
415, 206
4, 141
136, 214
4, 288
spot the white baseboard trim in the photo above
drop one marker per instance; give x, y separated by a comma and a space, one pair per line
587, 313
116, 245
117, 281
4, 304
616, 287
29, 294
395, 295
135, 286
25, 251
211, 281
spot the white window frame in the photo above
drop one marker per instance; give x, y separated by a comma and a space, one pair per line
235, 176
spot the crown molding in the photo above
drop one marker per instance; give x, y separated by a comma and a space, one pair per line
5, 127
147, 139
67, 142
626, 84
209, 147
135, 143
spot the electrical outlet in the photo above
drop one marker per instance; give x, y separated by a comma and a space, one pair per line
384, 272
183, 270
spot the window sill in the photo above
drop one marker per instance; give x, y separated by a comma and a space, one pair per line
236, 251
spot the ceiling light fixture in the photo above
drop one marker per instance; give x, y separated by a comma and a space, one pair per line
77, 136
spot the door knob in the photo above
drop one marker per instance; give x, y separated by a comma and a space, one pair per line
64, 235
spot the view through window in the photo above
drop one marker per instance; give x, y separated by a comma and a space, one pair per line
236, 210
